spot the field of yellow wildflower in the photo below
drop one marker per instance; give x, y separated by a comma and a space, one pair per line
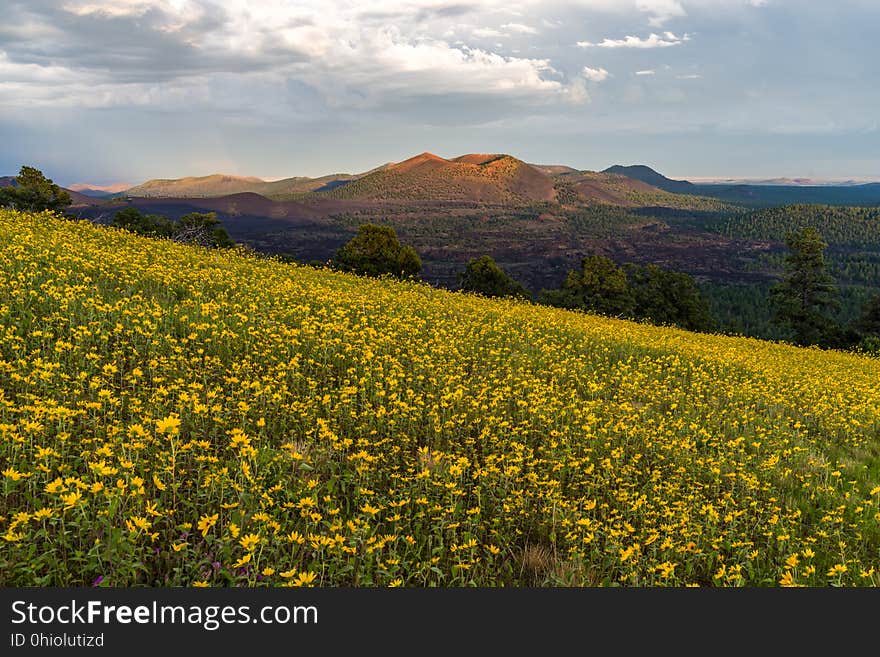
176, 416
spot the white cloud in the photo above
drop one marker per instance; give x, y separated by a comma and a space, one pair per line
519, 28
665, 40
487, 33
647, 71
662, 10
595, 74
354, 54
182, 11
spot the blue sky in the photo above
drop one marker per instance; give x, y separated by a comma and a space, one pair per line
103, 91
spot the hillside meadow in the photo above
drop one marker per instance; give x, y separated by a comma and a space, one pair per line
176, 416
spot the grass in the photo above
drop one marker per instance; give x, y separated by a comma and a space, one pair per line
176, 416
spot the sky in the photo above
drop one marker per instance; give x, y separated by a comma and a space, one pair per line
105, 91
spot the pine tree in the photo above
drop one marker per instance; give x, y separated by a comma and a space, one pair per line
33, 192
483, 276
376, 251
807, 294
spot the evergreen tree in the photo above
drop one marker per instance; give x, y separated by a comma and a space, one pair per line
376, 251
598, 286
804, 298
202, 228
669, 298
868, 324
152, 225
483, 276
33, 192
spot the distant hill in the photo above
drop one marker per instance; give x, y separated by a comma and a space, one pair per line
475, 177
867, 194
553, 169
501, 179
213, 185
96, 193
647, 175
224, 185
99, 191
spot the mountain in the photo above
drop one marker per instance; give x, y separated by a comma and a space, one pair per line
475, 177
589, 187
786, 182
213, 185
553, 169
99, 191
647, 175
223, 185
94, 193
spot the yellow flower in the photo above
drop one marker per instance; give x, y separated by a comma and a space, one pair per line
246, 559
837, 569
296, 537
250, 541
177, 547
626, 553
666, 569
200, 585
787, 579
13, 474
140, 523
287, 574
304, 579
169, 425
267, 572
206, 522
55, 486
70, 500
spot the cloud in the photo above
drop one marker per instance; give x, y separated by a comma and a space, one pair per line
595, 74
519, 28
662, 10
355, 57
691, 76
487, 33
665, 40
647, 71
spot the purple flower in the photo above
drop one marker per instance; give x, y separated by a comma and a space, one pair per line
98, 581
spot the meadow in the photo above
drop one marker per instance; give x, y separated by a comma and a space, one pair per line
174, 416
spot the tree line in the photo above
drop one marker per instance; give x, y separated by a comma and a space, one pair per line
802, 302
599, 286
